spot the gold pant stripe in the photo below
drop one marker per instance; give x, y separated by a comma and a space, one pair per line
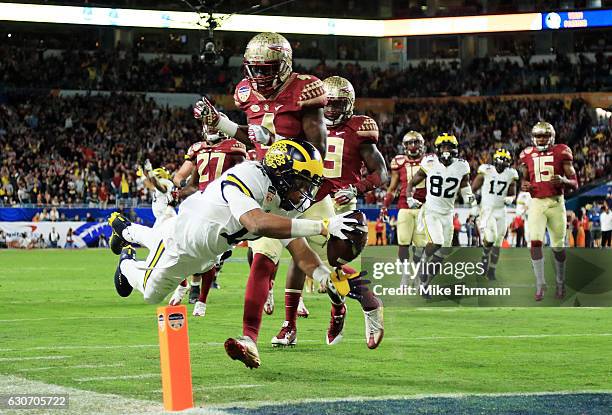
158, 253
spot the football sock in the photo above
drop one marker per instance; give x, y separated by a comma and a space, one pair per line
486, 253
494, 257
404, 255
538, 270
559, 266
417, 254
256, 294
292, 300
207, 280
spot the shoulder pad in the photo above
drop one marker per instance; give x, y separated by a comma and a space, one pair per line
365, 127
397, 161
564, 151
513, 173
526, 152
484, 169
312, 92
194, 149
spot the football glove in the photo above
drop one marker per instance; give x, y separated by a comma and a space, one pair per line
259, 134
345, 195
336, 225
204, 110
509, 200
147, 166
350, 285
413, 203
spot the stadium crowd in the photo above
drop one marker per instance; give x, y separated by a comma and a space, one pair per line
61, 151
126, 71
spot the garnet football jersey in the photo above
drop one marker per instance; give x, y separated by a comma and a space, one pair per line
407, 168
343, 162
212, 160
542, 166
281, 113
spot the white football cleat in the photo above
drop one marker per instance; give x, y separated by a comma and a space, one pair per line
244, 349
302, 311
269, 305
336, 327
374, 327
178, 295
199, 310
287, 336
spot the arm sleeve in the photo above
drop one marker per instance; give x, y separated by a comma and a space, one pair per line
239, 203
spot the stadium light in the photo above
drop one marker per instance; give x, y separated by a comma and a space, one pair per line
102, 16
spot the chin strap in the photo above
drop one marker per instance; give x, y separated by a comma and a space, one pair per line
370, 182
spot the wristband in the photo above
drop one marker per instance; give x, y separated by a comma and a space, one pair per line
305, 227
227, 126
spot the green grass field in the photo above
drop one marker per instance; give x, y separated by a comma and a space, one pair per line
62, 323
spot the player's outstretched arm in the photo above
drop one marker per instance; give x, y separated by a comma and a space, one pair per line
205, 111
261, 223
314, 128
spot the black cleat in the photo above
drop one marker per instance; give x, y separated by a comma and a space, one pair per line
118, 222
122, 284
194, 293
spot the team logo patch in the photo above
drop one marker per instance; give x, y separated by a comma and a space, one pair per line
160, 322
255, 108
176, 321
244, 92
266, 107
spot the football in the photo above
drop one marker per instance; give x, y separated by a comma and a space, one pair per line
343, 251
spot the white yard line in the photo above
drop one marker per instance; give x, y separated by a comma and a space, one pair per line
62, 318
40, 369
19, 359
264, 344
120, 377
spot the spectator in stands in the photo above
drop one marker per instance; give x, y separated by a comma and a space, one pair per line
606, 226
456, 230
89, 218
379, 227
69, 239
518, 226
102, 241
54, 214
3, 244
594, 214
54, 238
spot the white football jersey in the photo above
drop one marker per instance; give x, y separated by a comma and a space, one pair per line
443, 183
218, 209
161, 200
495, 185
